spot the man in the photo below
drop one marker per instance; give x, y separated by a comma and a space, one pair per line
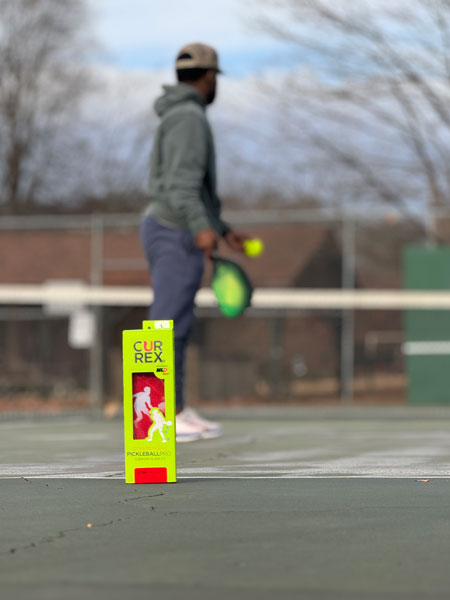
182, 224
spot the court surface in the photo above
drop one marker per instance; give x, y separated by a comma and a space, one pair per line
350, 503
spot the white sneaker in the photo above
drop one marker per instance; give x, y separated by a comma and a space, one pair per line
207, 429
185, 431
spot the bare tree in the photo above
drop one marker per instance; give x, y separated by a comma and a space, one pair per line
42, 47
377, 104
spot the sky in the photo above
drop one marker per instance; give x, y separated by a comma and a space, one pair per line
146, 34
140, 40
250, 119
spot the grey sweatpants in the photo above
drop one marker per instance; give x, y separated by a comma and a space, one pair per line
176, 267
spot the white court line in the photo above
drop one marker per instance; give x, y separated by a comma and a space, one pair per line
181, 478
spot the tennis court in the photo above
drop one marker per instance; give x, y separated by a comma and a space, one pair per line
289, 503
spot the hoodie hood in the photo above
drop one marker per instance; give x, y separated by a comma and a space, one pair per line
176, 94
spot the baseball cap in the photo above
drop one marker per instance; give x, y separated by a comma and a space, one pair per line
197, 56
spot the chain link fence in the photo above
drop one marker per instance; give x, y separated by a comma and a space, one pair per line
270, 355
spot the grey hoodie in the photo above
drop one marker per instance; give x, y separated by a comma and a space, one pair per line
182, 166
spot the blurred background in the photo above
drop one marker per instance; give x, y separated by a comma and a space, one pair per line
332, 128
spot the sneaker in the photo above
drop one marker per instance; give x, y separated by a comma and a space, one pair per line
208, 429
185, 431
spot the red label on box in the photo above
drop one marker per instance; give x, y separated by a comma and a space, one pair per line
152, 475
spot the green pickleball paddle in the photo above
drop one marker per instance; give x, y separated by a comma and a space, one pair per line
231, 286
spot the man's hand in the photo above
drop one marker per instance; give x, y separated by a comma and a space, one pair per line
235, 240
207, 241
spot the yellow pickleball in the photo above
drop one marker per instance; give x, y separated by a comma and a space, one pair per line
253, 247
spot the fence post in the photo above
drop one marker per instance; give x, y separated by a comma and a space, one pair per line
348, 317
276, 355
96, 355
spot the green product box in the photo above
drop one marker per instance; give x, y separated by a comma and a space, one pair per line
149, 403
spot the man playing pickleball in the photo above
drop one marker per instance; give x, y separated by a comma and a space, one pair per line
182, 223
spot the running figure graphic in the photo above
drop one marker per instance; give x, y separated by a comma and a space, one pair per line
142, 405
158, 424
